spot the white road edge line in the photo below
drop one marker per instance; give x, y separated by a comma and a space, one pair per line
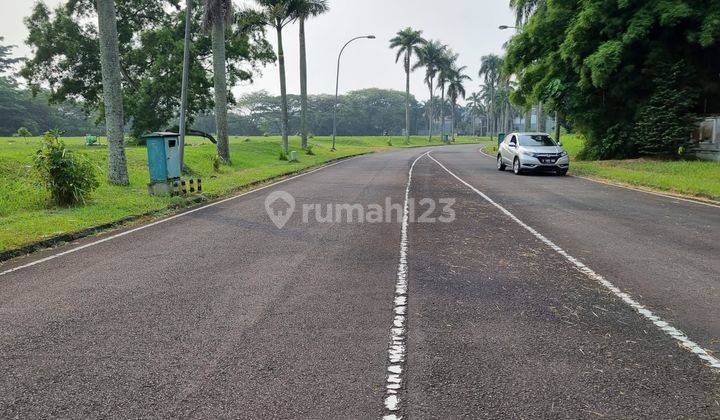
662, 325
628, 187
397, 348
128, 232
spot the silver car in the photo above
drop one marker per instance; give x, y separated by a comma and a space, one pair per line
528, 152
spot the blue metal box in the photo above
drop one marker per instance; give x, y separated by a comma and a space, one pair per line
163, 151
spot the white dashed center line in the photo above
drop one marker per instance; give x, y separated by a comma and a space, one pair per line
662, 325
398, 332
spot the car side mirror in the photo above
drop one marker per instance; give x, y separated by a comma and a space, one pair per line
560, 143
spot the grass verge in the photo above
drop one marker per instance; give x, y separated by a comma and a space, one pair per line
26, 217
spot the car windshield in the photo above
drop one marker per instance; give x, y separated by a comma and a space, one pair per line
536, 140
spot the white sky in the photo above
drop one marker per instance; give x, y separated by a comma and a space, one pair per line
470, 27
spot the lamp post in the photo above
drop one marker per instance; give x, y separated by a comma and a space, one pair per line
337, 85
503, 27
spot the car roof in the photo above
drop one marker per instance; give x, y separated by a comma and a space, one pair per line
530, 133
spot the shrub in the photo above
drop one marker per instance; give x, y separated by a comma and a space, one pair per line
666, 120
216, 163
283, 155
69, 177
23, 132
309, 150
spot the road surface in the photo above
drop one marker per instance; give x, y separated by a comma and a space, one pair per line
545, 297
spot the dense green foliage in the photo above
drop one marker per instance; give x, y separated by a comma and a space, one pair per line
66, 58
604, 65
68, 176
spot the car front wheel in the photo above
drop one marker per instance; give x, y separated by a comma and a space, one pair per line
500, 163
516, 167
562, 172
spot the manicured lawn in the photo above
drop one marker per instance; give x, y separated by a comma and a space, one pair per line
697, 178
26, 216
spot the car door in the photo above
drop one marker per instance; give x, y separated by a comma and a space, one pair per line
508, 153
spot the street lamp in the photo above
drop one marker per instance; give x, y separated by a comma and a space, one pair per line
337, 85
503, 27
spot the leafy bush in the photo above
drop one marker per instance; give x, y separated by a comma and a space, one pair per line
283, 155
216, 163
23, 132
309, 150
69, 177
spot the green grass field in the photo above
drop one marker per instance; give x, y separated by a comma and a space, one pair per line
26, 217
696, 178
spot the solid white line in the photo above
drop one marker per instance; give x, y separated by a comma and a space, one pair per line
662, 325
628, 187
128, 232
398, 332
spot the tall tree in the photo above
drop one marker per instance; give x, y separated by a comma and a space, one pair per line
216, 15
476, 109
305, 9
67, 68
112, 92
6, 61
524, 9
456, 90
278, 14
408, 42
490, 72
445, 71
429, 56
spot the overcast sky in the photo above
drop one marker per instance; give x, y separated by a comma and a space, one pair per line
470, 27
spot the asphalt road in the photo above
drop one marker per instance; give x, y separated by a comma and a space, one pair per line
220, 313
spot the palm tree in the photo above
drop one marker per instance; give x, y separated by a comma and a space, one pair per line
305, 9
408, 42
456, 89
524, 9
112, 92
277, 14
445, 69
429, 56
490, 70
217, 14
476, 108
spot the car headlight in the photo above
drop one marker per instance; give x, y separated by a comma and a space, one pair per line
528, 154
563, 153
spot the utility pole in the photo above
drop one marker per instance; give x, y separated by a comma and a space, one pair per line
185, 77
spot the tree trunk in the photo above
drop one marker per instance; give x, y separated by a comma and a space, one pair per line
528, 120
220, 81
112, 92
303, 87
541, 118
432, 112
557, 127
283, 90
407, 97
442, 112
452, 123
